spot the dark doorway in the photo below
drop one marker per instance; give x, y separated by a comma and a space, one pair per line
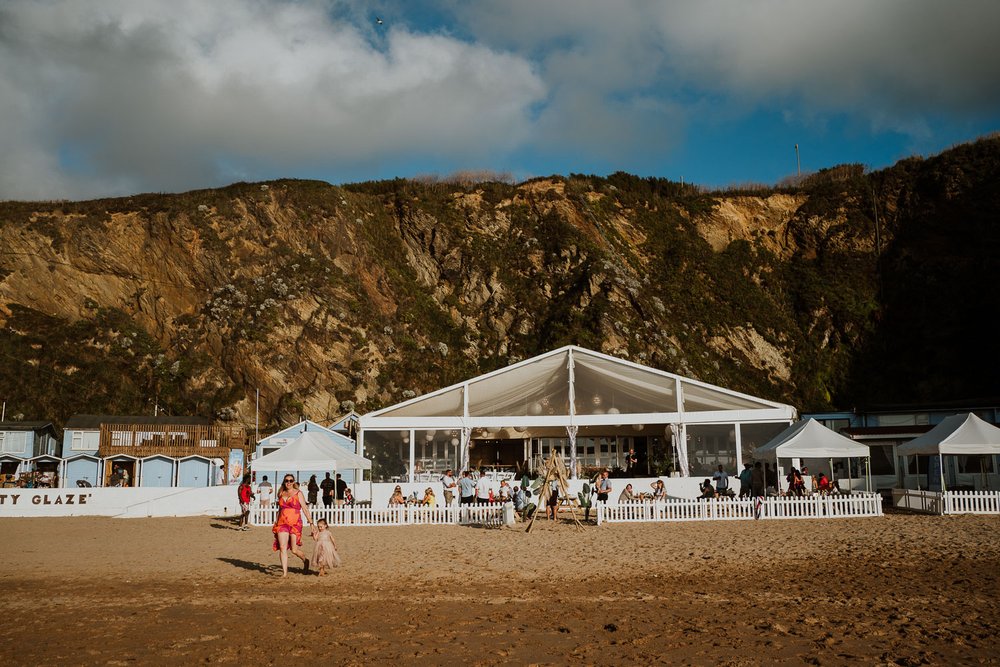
500, 454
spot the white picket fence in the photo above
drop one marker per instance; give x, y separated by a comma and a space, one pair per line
681, 509
971, 502
487, 515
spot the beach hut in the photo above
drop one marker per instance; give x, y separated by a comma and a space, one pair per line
808, 439
194, 471
82, 470
11, 468
963, 438
157, 471
48, 469
120, 470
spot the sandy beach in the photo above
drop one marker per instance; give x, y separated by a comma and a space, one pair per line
897, 590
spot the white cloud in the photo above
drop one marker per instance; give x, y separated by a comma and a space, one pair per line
116, 96
893, 62
128, 95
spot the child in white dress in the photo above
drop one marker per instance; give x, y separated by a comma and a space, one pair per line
325, 555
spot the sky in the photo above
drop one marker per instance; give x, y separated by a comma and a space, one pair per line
116, 97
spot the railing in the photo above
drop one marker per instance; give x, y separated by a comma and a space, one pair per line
733, 509
971, 502
487, 515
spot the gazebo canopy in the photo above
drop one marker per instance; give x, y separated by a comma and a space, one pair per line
810, 439
311, 451
573, 386
957, 434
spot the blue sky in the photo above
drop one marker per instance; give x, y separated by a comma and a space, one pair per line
112, 97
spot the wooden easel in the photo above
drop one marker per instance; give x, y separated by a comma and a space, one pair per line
554, 470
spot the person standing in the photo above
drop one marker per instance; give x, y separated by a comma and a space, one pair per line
603, 488
631, 460
746, 480
287, 527
327, 486
450, 484
264, 492
757, 480
483, 489
340, 490
245, 495
313, 489
721, 481
467, 489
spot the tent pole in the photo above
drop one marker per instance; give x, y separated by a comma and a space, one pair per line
941, 465
777, 477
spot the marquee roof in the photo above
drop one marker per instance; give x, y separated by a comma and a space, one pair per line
957, 434
575, 386
810, 439
311, 451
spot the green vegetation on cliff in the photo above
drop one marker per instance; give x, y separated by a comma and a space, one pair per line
327, 297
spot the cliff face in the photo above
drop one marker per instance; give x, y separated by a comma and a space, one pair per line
326, 298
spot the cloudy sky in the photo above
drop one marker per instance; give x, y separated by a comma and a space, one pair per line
112, 97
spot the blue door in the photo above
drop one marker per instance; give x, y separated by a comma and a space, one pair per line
158, 472
194, 473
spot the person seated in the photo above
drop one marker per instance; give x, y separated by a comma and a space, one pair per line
707, 490
504, 493
519, 498
823, 484
659, 490
397, 498
428, 499
796, 486
627, 496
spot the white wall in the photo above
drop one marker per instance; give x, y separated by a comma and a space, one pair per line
119, 502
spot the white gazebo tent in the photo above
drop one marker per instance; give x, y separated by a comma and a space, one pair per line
810, 439
955, 435
566, 393
311, 452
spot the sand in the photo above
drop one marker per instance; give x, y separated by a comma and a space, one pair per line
902, 589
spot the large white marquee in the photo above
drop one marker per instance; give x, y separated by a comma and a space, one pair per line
569, 393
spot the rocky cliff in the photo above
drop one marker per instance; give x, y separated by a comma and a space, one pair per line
326, 298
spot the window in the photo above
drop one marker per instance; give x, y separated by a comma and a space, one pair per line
881, 459
389, 452
85, 441
753, 436
709, 447
974, 463
917, 465
14, 442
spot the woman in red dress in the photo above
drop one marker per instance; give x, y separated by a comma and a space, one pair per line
288, 524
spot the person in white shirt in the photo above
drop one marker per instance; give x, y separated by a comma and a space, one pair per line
721, 481
449, 483
483, 489
264, 491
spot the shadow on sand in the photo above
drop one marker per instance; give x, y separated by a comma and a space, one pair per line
219, 526
252, 567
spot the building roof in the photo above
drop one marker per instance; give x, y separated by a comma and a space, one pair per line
867, 432
25, 426
575, 386
95, 421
